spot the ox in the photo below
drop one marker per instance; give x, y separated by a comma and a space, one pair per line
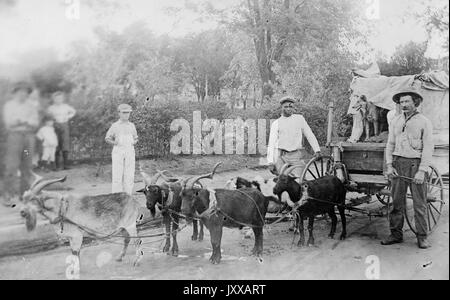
275, 205
224, 207
166, 197
75, 216
312, 198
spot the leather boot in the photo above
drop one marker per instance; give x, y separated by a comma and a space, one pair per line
423, 243
391, 240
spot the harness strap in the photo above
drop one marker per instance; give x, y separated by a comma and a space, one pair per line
407, 119
62, 215
260, 214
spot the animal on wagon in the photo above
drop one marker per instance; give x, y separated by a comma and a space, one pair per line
225, 208
369, 115
75, 216
166, 196
312, 198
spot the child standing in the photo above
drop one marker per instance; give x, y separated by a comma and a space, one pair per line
123, 136
47, 135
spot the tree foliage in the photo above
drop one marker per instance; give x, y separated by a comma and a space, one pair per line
408, 59
280, 25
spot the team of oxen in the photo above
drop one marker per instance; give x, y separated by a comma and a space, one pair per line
241, 203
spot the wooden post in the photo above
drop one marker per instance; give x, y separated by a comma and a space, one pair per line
337, 160
330, 123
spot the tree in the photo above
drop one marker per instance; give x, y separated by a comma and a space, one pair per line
242, 74
204, 58
435, 18
408, 59
154, 77
278, 25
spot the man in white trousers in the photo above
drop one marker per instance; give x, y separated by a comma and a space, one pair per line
123, 136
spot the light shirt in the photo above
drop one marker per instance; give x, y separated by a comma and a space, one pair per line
391, 115
124, 133
286, 133
62, 113
26, 113
48, 136
416, 141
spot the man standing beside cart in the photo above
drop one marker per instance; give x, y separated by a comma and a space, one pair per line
286, 137
409, 152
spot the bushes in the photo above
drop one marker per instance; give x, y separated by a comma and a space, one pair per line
153, 121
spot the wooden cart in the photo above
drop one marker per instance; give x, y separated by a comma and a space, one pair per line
362, 167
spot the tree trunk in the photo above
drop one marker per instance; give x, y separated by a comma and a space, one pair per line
254, 95
206, 87
266, 53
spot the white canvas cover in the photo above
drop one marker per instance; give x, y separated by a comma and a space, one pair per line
433, 87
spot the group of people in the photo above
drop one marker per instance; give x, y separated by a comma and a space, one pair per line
25, 122
408, 151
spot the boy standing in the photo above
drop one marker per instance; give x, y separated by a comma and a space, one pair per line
49, 139
62, 112
123, 136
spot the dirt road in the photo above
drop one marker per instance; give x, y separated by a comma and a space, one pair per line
360, 256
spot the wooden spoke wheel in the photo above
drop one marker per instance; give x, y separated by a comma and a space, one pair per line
435, 202
384, 199
318, 167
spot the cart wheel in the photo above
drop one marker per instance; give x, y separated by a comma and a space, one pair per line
384, 199
435, 202
318, 167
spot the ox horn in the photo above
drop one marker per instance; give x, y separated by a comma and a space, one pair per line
36, 180
208, 175
283, 168
184, 181
150, 180
147, 178
44, 183
289, 170
167, 178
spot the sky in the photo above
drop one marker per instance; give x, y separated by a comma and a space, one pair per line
30, 25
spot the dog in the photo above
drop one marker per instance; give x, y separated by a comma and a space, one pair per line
370, 115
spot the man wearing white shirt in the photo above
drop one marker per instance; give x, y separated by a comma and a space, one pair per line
21, 118
123, 136
286, 139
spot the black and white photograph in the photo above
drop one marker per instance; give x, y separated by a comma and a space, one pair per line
224, 144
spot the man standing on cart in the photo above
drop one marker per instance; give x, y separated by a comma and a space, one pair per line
409, 150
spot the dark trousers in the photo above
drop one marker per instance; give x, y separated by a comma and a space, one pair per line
63, 132
62, 151
18, 158
408, 167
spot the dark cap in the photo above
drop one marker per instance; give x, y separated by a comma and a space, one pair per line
22, 85
287, 99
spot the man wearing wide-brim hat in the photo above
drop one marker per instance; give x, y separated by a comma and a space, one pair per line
286, 139
21, 119
409, 150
